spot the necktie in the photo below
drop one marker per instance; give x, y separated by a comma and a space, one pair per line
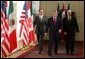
69, 18
54, 21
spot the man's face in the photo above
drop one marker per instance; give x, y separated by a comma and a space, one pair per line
63, 14
69, 13
41, 12
54, 13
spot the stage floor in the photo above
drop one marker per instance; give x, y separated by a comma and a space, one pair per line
79, 52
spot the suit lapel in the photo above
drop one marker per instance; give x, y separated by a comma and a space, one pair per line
52, 21
39, 19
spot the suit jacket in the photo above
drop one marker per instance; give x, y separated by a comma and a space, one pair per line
53, 29
40, 24
71, 25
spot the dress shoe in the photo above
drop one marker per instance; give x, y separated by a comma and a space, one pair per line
55, 53
72, 53
67, 52
39, 52
49, 54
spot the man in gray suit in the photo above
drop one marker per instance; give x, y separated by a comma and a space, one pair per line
39, 25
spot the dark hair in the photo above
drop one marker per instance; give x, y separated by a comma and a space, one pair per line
40, 9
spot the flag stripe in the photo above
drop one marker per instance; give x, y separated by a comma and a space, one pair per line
26, 35
4, 43
2, 37
5, 49
23, 16
5, 21
6, 37
3, 52
5, 30
24, 39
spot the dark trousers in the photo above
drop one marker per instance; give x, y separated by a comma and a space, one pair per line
40, 41
53, 44
69, 42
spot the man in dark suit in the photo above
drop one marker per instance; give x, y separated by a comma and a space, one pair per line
39, 25
53, 26
69, 27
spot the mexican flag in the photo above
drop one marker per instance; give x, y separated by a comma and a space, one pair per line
12, 27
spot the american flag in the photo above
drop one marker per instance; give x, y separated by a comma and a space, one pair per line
5, 44
23, 21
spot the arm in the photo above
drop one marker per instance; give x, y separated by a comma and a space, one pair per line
45, 20
64, 26
35, 22
47, 25
60, 25
76, 25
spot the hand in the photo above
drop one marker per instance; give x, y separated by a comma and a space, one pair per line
59, 30
45, 34
65, 33
34, 29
